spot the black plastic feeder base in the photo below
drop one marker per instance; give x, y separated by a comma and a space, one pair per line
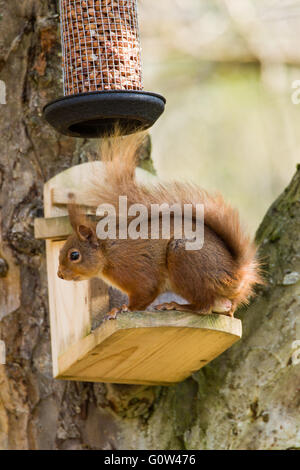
95, 114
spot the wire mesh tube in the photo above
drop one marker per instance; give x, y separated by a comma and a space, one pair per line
101, 45
101, 71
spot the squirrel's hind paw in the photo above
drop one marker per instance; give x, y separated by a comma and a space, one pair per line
222, 305
180, 307
168, 306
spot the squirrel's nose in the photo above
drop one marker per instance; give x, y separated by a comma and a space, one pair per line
60, 275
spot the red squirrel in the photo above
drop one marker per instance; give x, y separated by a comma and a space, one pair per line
216, 278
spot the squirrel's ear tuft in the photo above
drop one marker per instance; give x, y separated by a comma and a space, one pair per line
76, 215
85, 233
80, 224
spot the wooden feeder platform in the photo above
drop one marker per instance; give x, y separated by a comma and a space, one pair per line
149, 347
152, 348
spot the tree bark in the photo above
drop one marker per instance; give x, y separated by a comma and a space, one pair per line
246, 399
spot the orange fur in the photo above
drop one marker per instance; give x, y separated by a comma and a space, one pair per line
120, 157
225, 268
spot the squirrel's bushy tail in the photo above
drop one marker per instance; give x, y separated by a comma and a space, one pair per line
225, 221
120, 155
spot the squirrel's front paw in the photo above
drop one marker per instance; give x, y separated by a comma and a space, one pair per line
112, 315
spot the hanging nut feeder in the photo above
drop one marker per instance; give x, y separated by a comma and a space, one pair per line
102, 74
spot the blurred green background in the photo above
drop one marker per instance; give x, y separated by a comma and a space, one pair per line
226, 68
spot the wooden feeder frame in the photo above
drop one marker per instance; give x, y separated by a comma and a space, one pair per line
153, 348
102, 71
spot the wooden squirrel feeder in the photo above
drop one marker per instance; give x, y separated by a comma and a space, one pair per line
101, 71
154, 348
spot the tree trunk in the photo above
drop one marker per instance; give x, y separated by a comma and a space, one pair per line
247, 398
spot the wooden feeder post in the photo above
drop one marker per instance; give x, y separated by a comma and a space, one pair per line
102, 73
136, 348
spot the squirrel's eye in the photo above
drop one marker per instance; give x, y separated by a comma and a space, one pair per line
74, 255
